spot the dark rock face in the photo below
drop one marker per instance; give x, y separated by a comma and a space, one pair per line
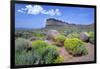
56, 22
84, 36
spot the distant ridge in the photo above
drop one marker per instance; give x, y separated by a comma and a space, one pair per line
52, 21
56, 22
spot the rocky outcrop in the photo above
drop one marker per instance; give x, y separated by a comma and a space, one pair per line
52, 21
56, 22
52, 33
84, 36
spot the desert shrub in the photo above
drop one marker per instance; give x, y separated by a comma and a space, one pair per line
73, 35
38, 34
46, 53
51, 54
26, 35
91, 37
23, 34
67, 32
38, 43
75, 46
25, 58
21, 44
59, 39
59, 59
18, 34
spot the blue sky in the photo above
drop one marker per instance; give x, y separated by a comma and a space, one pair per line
34, 16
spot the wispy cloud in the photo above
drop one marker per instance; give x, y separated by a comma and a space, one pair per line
37, 9
51, 12
20, 11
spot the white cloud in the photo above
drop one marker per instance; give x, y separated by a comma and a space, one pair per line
20, 11
58, 12
52, 12
49, 12
24, 9
37, 9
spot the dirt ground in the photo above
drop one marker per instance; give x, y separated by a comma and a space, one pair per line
70, 58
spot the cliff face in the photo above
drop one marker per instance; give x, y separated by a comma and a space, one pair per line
56, 22
52, 22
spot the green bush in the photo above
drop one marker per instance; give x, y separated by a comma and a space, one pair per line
24, 58
73, 35
75, 46
51, 54
21, 44
26, 35
59, 59
59, 40
68, 31
23, 34
41, 53
38, 34
91, 37
38, 44
46, 53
